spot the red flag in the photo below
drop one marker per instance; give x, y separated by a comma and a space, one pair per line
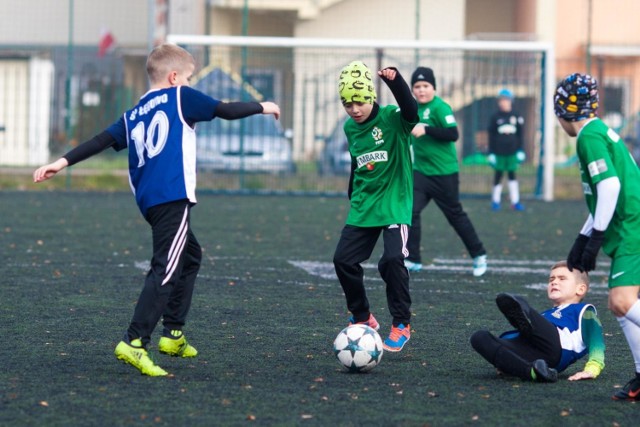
106, 44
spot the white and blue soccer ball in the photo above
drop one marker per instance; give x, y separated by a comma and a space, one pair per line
358, 348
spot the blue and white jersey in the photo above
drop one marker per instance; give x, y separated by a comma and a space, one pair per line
160, 134
568, 319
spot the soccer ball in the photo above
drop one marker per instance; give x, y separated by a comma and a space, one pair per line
358, 348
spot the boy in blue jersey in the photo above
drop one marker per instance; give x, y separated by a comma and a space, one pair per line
546, 343
160, 134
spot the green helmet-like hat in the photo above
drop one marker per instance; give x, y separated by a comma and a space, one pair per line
356, 84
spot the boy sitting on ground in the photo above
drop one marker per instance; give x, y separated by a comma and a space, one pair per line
546, 343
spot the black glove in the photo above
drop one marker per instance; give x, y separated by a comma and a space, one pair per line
591, 250
574, 259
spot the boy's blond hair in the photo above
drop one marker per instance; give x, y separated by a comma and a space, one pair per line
580, 276
166, 58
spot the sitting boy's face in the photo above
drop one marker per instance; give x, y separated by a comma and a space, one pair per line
564, 288
358, 111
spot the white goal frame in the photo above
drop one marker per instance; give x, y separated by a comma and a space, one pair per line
549, 78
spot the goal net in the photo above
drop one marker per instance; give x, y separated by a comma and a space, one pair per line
306, 150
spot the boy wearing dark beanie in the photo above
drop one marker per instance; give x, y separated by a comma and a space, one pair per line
435, 171
423, 74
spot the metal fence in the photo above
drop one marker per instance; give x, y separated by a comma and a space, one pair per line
305, 152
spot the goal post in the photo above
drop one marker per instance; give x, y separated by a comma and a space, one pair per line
300, 74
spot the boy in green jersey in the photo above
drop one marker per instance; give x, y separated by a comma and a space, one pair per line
610, 181
435, 172
381, 195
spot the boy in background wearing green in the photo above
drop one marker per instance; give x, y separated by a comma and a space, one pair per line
380, 193
435, 172
610, 182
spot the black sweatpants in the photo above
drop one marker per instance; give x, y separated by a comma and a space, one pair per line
515, 356
168, 287
443, 189
354, 247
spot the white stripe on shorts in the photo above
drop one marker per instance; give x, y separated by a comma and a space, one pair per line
404, 232
177, 246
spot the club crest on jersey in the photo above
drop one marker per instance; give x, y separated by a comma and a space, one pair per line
507, 129
376, 133
426, 113
370, 159
557, 314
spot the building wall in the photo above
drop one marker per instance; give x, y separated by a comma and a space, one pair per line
43, 22
382, 20
613, 25
490, 16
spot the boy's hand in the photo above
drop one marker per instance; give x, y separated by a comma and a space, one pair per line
591, 250
270, 108
584, 375
574, 259
419, 130
48, 171
388, 73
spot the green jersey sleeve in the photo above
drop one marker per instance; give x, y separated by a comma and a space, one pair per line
594, 144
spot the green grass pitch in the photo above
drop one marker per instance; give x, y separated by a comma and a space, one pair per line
266, 309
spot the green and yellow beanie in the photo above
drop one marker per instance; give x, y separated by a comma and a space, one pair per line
356, 84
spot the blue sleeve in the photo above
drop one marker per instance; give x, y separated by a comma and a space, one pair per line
196, 106
118, 131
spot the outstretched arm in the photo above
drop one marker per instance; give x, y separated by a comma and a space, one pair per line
401, 92
592, 337
48, 171
239, 110
83, 151
439, 134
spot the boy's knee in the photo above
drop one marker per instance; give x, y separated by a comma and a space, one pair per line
387, 260
479, 338
619, 305
485, 344
197, 253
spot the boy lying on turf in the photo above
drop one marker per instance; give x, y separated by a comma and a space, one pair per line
546, 343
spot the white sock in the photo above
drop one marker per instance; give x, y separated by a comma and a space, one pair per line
497, 193
514, 192
634, 313
632, 334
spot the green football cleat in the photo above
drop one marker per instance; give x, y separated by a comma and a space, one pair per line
135, 355
176, 345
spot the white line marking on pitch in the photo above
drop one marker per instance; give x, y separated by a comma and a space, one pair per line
326, 270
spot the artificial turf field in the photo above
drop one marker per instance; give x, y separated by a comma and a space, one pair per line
266, 309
